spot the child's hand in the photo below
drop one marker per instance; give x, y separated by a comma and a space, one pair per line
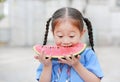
70, 60
43, 59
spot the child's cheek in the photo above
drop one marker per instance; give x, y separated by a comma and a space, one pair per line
58, 42
76, 40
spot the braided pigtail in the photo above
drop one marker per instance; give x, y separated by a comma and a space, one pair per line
90, 33
46, 32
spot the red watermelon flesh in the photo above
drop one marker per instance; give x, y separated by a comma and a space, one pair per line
59, 52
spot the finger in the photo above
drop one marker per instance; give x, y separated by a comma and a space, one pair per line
78, 57
40, 56
43, 57
36, 57
68, 58
73, 57
60, 60
49, 57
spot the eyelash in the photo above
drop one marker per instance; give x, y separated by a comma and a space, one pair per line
71, 36
60, 36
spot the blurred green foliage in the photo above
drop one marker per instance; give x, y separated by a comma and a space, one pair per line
2, 1
1, 16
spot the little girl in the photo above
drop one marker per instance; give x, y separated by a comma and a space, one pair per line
68, 29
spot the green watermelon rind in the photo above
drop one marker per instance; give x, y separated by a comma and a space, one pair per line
56, 57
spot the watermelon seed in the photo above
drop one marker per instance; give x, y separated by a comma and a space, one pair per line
42, 46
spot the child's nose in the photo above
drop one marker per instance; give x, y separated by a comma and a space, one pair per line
66, 41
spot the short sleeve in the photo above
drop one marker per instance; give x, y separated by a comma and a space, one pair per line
38, 72
92, 63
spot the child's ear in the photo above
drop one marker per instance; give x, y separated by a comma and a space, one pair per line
82, 33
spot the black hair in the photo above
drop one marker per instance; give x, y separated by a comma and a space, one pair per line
74, 14
46, 32
90, 33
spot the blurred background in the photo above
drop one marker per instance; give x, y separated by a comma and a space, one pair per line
22, 25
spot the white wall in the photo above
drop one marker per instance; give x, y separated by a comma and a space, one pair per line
28, 19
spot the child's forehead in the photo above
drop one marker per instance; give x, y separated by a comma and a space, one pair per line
68, 20
66, 27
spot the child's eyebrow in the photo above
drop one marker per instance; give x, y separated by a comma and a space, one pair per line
58, 31
72, 31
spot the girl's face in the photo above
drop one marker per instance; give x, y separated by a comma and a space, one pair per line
66, 34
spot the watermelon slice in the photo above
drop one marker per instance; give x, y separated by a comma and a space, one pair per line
59, 52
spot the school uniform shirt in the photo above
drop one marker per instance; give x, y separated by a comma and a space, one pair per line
65, 73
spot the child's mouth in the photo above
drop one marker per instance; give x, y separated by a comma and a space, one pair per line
67, 46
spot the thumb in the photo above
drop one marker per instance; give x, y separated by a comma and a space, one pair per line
36, 57
78, 57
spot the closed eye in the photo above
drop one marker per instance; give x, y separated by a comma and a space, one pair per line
60, 36
71, 36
